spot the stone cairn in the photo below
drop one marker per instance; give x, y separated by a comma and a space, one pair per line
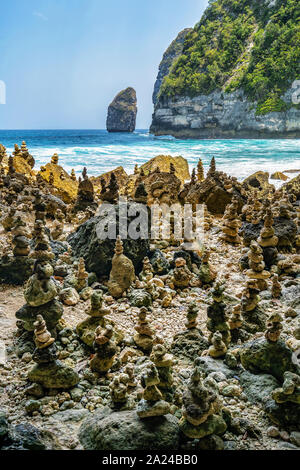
122, 273
73, 175
212, 167
147, 271
231, 223
49, 372
54, 159
257, 266
21, 238
207, 274
26, 155
181, 274
119, 392
163, 363
152, 403
235, 322
276, 287
85, 195
274, 328
111, 193
252, 318
143, 337
129, 370
191, 316
216, 313
96, 317
290, 390
218, 347
201, 407
42, 337
105, 349
141, 195
200, 171
39, 206
8, 221
41, 290
268, 240
82, 276
267, 236
208, 220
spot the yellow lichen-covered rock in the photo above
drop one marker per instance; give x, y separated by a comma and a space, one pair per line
22, 166
120, 174
66, 188
163, 163
279, 176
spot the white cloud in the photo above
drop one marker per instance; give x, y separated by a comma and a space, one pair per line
40, 15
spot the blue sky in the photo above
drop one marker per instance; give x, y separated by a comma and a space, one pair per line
63, 61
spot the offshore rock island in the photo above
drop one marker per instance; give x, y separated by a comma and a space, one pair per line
122, 111
232, 75
145, 344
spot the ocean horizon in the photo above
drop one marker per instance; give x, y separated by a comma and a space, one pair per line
101, 151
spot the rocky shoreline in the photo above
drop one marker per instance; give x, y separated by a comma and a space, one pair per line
154, 345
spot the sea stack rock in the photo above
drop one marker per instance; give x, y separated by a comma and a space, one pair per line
122, 112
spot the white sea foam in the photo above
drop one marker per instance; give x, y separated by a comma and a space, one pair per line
238, 158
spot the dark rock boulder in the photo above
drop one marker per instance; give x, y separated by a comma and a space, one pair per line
98, 252
210, 365
189, 344
122, 112
213, 193
285, 230
106, 430
24, 436
15, 270
258, 388
3, 427
261, 356
283, 414
140, 298
54, 375
159, 262
51, 312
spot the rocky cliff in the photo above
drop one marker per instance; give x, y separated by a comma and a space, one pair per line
171, 54
234, 75
122, 112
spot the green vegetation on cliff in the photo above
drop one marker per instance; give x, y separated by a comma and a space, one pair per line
249, 44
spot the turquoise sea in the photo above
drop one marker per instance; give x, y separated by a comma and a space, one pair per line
101, 151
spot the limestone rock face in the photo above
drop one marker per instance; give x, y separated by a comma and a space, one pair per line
172, 53
163, 163
222, 115
122, 112
106, 430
